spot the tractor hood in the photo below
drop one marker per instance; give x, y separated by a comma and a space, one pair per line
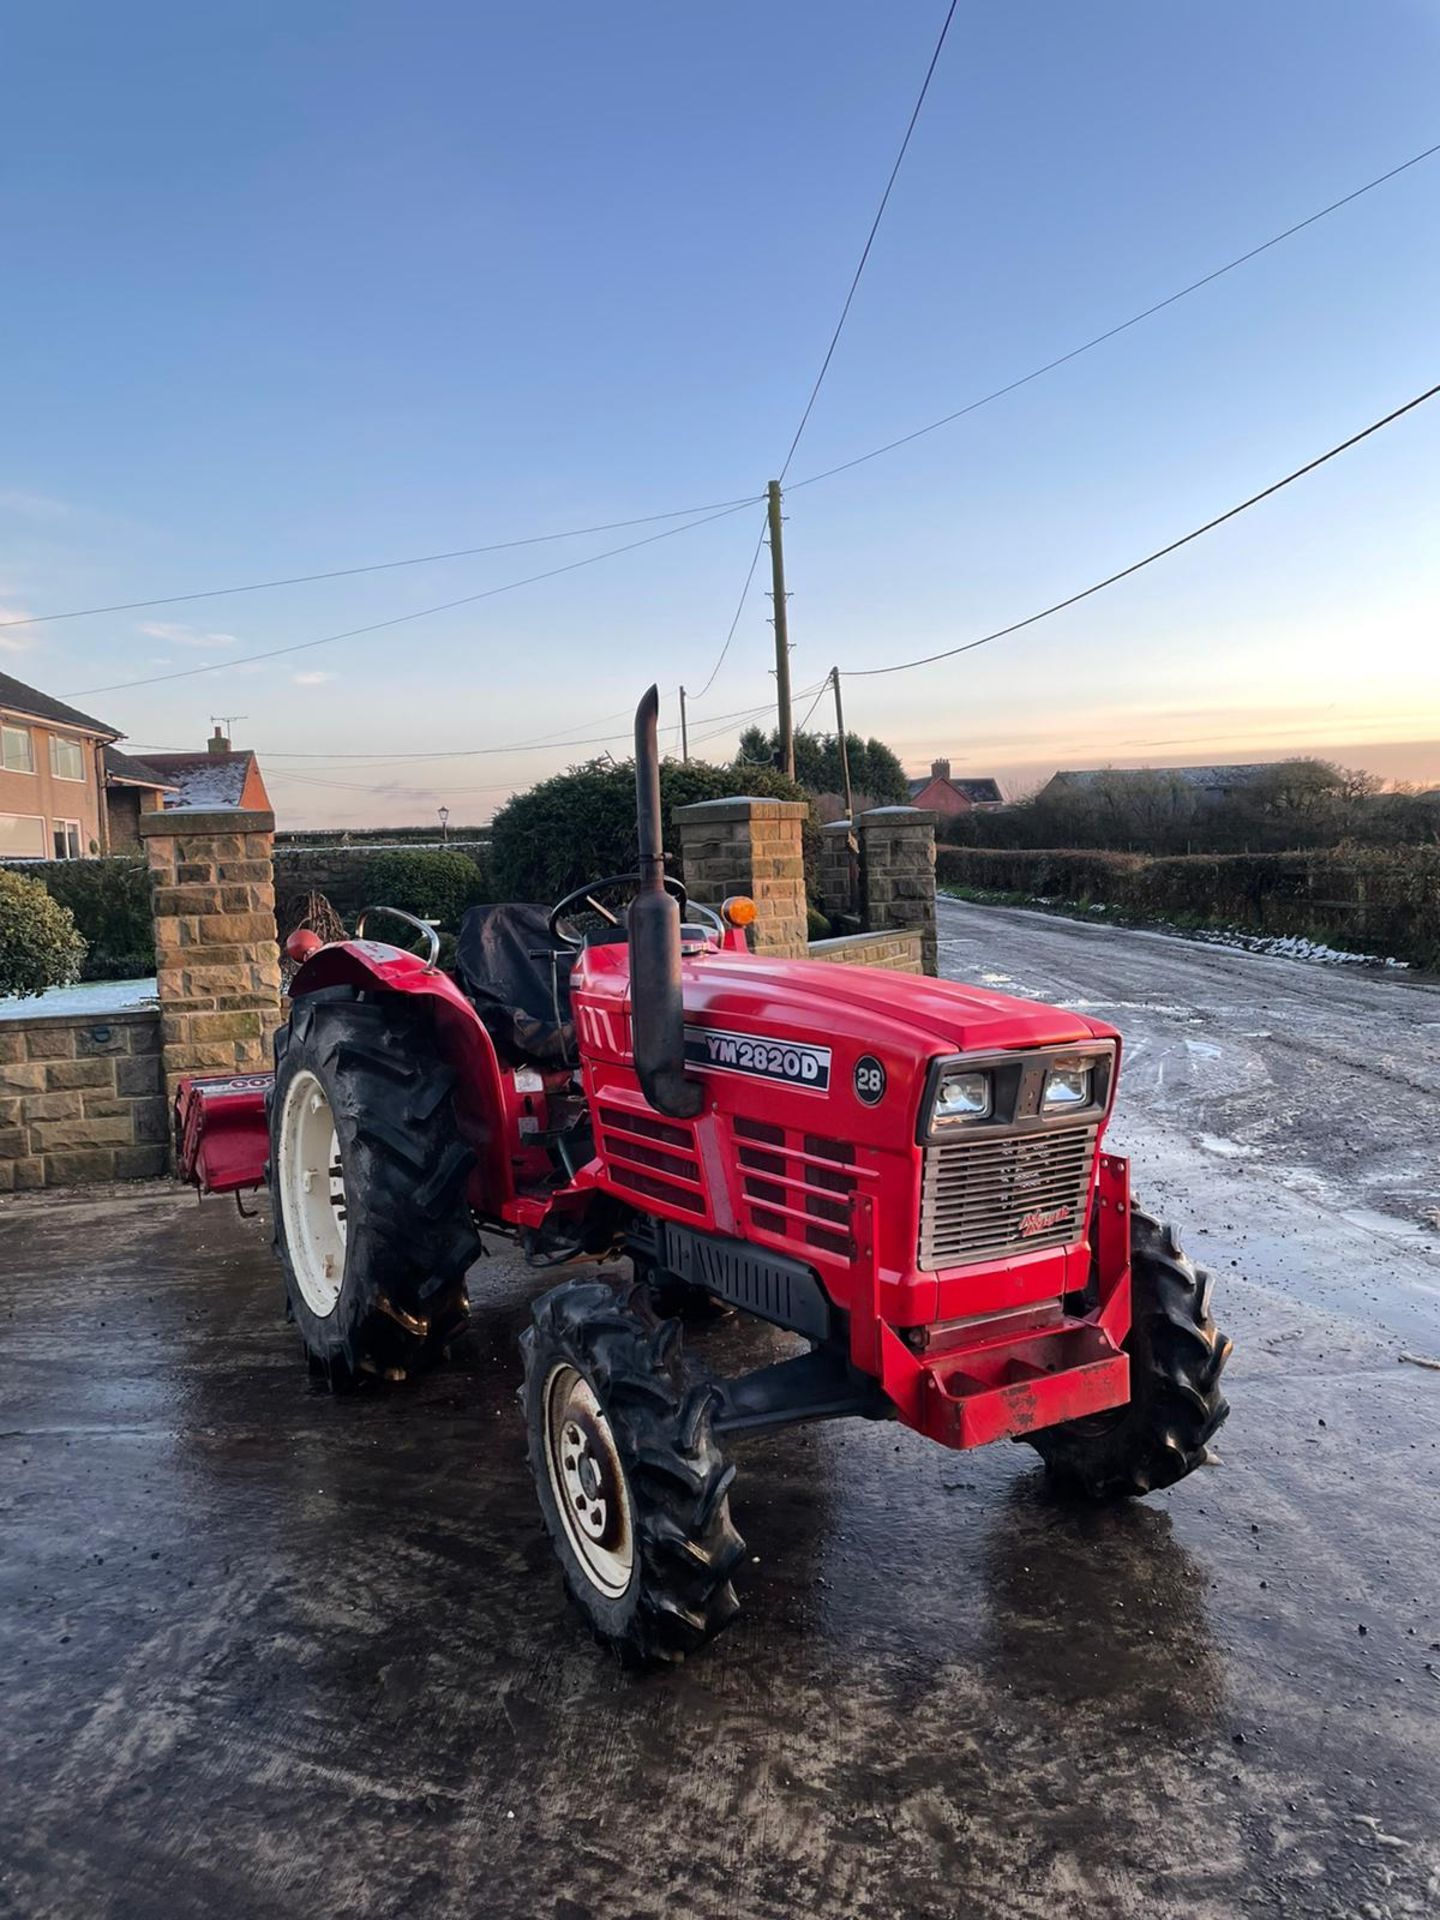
908, 1011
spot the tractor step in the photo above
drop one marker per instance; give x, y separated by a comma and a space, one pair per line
1015, 1386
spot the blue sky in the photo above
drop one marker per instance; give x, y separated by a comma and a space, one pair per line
306, 286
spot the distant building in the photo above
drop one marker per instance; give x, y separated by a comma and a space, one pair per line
1210, 783
948, 797
132, 787
220, 779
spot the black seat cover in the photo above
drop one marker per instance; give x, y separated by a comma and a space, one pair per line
502, 958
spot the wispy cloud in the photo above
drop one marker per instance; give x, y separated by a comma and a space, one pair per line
181, 636
14, 639
36, 506
311, 679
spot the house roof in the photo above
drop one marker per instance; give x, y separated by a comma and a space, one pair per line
1204, 777
124, 770
16, 697
980, 792
208, 782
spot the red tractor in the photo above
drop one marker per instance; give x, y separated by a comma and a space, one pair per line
909, 1175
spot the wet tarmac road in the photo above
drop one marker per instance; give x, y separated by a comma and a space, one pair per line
265, 1653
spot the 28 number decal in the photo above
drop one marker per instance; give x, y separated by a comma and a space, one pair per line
869, 1080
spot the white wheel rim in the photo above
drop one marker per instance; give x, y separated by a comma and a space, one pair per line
312, 1193
588, 1481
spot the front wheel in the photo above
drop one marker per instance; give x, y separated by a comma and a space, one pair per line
633, 1489
1176, 1356
368, 1179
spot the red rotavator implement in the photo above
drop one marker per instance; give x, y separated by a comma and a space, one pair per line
905, 1173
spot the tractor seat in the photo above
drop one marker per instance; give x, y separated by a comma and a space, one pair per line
518, 982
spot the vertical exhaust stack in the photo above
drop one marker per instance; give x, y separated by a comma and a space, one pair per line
657, 1014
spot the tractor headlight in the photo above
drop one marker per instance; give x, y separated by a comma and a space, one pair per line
1067, 1085
961, 1094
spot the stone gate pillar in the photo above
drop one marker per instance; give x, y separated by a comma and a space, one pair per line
212, 879
752, 846
839, 889
897, 866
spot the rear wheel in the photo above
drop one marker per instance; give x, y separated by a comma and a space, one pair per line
633, 1488
1176, 1356
368, 1180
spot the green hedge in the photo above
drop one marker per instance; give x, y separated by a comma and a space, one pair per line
39, 946
1362, 897
437, 884
387, 836
110, 901
580, 825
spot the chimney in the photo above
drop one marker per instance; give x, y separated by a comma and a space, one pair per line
218, 742
939, 769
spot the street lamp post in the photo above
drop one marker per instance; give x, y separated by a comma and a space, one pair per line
444, 813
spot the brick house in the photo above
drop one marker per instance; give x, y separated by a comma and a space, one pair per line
132, 788
68, 792
222, 777
948, 797
52, 777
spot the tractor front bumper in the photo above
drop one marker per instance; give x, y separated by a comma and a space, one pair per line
997, 1376
1007, 1387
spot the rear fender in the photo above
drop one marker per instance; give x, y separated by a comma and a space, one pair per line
370, 966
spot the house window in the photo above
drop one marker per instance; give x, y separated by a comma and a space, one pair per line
16, 754
67, 760
22, 836
67, 839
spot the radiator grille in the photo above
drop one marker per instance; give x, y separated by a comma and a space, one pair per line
983, 1197
651, 1158
797, 1184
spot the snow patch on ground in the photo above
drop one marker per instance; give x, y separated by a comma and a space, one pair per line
1291, 946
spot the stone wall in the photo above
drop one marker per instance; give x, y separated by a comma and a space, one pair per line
217, 958
81, 1098
751, 846
897, 952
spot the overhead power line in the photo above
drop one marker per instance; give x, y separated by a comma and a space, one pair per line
421, 613
890, 446
869, 240
377, 566
949, 653
820, 695
1122, 326
739, 609
342, 761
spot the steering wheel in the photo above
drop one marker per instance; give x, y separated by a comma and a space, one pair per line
590, 899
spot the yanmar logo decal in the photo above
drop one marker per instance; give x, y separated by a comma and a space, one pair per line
1034, 1223
792, 1062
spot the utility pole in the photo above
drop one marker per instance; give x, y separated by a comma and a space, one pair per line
844, 749
782, 635
684, 729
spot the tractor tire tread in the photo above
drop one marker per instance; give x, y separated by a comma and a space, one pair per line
685, 1543
409, 1228
1177, 1354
